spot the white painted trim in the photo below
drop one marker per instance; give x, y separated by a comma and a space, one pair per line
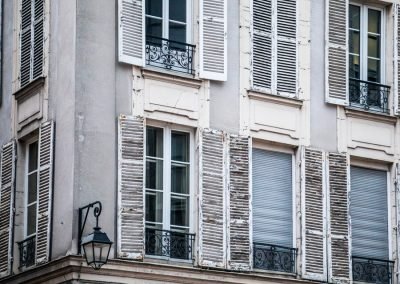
389, 209
395, 61
119, 184
349, 217
327, 221
250, 165
294, 202
31, 141
303, 209
228, 200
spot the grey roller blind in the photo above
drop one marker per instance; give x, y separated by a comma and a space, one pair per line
272, 198
369, 213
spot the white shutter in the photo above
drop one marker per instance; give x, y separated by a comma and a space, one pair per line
213, 39
25, 42
7, 184
45, 188
336, 81
38, 39
131, 32
396, 36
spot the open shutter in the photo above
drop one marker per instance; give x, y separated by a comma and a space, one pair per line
313, 212
25, 44
131, 32
212, 226
396, 36
130, 187
336, 52
38, 39
338, 219
213, 46
7, 184
45, 188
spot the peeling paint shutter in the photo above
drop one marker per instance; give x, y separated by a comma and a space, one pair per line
239, 203
212, 231
131, 32
45, 188
336, 52
339, 223
396, 35
7, 183
314, 233
130, 187
213, 45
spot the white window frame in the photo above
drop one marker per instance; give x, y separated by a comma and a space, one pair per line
26, 187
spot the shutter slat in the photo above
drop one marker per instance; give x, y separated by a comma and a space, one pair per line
397, 51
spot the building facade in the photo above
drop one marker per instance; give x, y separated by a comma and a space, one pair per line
240, 141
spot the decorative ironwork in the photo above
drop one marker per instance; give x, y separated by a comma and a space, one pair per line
96, 213
369, 95
169, 54
27, 252
372, 270
170, 244
277, 258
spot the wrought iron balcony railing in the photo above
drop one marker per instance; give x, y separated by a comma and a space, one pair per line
372, 270
27, 250
169, 244
369, 95
169, 54
276, 258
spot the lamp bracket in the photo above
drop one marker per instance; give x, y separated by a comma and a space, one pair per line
96, 213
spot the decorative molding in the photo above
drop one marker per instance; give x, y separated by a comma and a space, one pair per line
28, 89
261, 96
378, 117
171, 77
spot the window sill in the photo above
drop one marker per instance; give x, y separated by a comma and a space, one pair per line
26, 90
264, 96
168, 260
160, 74
273, 272
373, 116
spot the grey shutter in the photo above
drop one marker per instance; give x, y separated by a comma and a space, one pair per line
130, 187
396, 35
7, 184
314, 231
339, 223
212, 227
239, 203
336, 52
213, 46
131, 31
369, 213
272, 198
45, 191
25, 44
38, 39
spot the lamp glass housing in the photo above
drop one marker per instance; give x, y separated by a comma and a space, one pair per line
96, 247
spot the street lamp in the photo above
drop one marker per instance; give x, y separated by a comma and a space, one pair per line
97, 245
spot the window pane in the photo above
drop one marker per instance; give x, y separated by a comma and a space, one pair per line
153, 27
374, 70
180, 178
354, 17
177, 32
179, 211
31, 226
180, 146
32, 188
354, 65
154, 207
354, 42
177, 10
374, 21
374, 49
154, 142
33, 156
154, 7
154, 174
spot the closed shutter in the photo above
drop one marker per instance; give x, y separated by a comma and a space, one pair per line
38, 39
272, 198
336, 52
213, 37
7, 184
212, 227
369, 213
25, 44
131, 32
396, 36
130, 187
45, 188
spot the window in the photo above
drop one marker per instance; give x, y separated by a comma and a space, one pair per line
168, 178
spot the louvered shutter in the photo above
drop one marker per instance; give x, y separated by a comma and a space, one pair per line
45, 191
272, 198
239, 203
369, 213
25, 44
213, 39
396, 37
130, 187
212, 227
336, 52
38, 39
131, 32
314, 230
339, 223
7, 184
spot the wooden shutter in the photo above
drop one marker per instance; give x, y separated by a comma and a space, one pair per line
213, 45
338, 220
130, 187
212, 222
45, 192
396, 36
314, 221
38, 39
7, 184
239, 203
131, 32
336, 52
25, 44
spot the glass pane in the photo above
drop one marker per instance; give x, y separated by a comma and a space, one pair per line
374, 21
32, 188
179, 211
31, 226
180, 146
354, 66
374, 49
154, 142
177, 10
154, 207
354, 17
154, 174
153, 27
177, 32
374, 70
180, 178
354, 42
33, 156
154, 8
